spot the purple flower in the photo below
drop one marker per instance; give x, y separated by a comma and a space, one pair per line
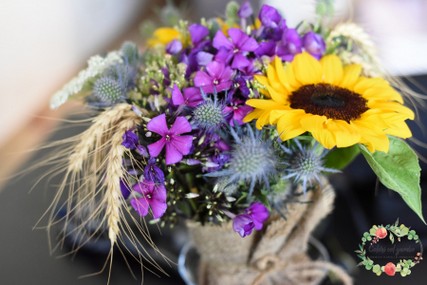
269, 16
190, 98
153, 173
176, 146
253, 218
130, 140
236, 113
273, 24
203, 58
290, 46
174, 47
266, 48
197, 33
243, 225
217, 77
235, 49
314, 44
153, 197
245, 10
259, 214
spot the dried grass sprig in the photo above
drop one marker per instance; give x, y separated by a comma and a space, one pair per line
90, 193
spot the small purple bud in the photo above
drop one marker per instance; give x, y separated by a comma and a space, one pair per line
243, 225
245, 10
269, 16
314, 44
259, 214
130, 140
174, 47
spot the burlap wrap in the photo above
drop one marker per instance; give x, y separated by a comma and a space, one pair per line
274, 256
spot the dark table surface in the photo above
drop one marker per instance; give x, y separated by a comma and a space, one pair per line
24, 250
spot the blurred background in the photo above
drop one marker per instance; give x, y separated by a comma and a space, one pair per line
43, 44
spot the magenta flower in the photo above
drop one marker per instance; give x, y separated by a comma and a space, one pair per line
217, 77
253, 218
191, 96
176, 145
235, 49
153, 197
236, 113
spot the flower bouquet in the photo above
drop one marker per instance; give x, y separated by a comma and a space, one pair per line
231, 125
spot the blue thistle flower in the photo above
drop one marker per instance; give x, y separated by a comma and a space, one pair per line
305, 164
108, 90
252, 160
130, 53
209, 115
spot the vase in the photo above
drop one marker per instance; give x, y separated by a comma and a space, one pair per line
276, 255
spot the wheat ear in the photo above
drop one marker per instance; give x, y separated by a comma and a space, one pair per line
367, 53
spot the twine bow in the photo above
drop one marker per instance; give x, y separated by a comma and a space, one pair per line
271, 265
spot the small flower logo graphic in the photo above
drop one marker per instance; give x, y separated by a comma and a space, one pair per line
391, 249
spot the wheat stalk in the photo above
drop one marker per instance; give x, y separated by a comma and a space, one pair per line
114, 172
367, 53
91, 138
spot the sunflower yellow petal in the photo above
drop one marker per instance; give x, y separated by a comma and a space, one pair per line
265, 104
351, 75
371, 135
392, 106
332, 69
345, 133
285, 75
288, 125
307, 69
276, 114
263, 120
273, 79
277, 96
255, 114
316, 125
382, 93
400, 130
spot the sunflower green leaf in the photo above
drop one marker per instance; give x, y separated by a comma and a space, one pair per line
398, 170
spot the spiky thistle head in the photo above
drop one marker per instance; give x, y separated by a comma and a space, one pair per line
108, 90
252, 160
209, 115
305, 164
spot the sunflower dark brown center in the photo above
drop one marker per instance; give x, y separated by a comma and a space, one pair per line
327, 100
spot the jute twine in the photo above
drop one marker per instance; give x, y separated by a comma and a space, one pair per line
272, 257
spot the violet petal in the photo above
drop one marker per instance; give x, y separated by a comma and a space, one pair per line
173, 155
180, 126
156, 148
158, 125
243, 225
140, 205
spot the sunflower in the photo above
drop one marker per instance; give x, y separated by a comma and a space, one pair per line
334, 103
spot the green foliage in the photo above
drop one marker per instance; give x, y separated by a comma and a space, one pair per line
398, 170
231, 16
339, 158
325, 8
